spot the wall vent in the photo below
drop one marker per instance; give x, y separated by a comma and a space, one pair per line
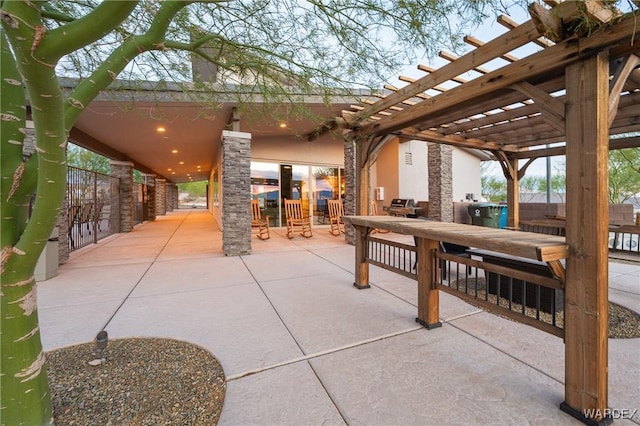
408, 159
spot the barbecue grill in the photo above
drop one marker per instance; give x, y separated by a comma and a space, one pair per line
405, 207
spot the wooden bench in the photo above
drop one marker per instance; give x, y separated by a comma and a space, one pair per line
335, 217
297, 219
258, 221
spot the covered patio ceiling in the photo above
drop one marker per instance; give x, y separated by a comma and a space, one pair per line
123, 124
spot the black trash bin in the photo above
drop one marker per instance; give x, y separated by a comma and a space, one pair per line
490, 215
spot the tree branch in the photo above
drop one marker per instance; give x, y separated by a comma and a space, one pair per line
50, 13
102, 77
102, 20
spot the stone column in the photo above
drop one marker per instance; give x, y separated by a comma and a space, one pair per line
150, 181
349, 201
440, 182
236, 193
169, 196
174, 197
161, 197
124, 171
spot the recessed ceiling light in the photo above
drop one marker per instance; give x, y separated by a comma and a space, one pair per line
174, 151
161, 129
283, 125
169, 169
173, 173
182, 162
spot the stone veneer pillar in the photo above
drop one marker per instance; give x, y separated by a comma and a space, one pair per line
124, 171
440, 182
169, 199
174, 197
150, 181
161, 197
236, 193
349, 201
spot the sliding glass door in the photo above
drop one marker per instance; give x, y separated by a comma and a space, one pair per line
271, 183
265, 186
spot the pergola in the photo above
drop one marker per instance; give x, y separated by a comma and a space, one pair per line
580, 94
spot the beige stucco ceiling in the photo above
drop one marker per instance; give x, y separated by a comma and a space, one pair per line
124, 126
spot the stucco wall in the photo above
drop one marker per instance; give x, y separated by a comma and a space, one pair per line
328, 149
466, 175
413, 170
402, 181
386, 174
215, 191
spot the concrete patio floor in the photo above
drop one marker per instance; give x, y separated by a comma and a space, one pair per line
300, 345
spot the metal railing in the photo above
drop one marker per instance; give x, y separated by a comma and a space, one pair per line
524, 296
625, 242
393, 256
93, 206
626, 239
141, 203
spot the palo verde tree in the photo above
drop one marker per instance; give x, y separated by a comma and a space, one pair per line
273, 48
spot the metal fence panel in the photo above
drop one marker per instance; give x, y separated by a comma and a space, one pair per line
93, 206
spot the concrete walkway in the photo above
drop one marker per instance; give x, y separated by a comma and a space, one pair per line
301, 346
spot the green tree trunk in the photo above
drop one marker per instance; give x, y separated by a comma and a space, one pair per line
25, 395
24, 391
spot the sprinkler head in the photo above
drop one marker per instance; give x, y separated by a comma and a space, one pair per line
101, 340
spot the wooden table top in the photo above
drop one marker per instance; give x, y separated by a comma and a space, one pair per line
517, 243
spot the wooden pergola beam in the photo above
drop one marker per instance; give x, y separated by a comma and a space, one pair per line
555, 57
620, 77
552, 108
503, 44
453, 140
503, 100
621, 143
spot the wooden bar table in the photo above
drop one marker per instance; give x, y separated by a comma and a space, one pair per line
429, 234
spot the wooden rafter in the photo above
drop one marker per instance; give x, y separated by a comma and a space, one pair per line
536, 66
505, 43
623, 72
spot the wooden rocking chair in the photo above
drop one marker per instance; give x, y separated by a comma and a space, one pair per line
374, 212
335, 217
258, 221
297, 219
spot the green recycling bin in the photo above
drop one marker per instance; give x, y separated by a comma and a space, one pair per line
488, 214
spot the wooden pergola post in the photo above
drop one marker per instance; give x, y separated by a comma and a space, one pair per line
362, 265
428, 294
586, 292
510, 168
362, 208
362, 175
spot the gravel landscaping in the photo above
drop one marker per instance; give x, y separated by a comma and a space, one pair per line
142, 382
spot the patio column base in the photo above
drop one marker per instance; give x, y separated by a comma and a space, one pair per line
427, 325
361, 287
